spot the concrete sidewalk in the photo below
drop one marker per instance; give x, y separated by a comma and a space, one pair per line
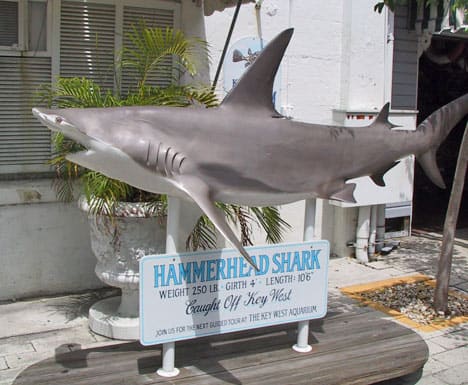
31, 331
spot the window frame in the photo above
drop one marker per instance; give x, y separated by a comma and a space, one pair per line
53, 14
23, 24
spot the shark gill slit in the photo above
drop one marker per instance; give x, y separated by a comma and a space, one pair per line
148, 154
166, 161
176, 162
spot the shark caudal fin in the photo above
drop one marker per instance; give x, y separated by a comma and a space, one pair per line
254, 89
437, 126
428, 163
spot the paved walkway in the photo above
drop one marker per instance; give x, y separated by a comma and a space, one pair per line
31, 331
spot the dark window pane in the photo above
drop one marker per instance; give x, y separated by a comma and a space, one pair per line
37, 39
8, 23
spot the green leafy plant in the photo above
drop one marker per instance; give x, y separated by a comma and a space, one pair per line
148, 55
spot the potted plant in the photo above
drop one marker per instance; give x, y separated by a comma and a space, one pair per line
125, 222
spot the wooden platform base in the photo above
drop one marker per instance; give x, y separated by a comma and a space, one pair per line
354, 347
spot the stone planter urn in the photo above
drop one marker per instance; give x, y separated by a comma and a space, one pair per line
118, 244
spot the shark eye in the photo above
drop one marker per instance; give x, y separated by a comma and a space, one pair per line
58, 120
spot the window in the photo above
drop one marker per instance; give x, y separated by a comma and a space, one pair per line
84, 41
9, 31
25, 66
37, 26
23, 25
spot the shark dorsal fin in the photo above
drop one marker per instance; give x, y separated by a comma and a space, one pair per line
382, 117
254, 89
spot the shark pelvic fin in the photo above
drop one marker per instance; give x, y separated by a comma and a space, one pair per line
200, 193
382, 117
254, 89
378, 176
428, 163
346, 194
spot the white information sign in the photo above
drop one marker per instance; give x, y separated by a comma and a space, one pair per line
190, 295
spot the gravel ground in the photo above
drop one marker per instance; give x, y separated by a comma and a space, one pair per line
415, 300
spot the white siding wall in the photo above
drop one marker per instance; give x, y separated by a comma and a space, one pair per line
336, 60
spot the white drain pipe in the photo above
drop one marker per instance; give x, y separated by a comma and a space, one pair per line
372, 232
362, 234
380, 228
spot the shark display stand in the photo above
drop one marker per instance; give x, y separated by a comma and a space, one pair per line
302, 344
168, 368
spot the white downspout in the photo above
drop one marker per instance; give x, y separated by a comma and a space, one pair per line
362, 234
380, 228
372, 232
377, 215
388, 54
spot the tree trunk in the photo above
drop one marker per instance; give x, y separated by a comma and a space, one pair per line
445, 259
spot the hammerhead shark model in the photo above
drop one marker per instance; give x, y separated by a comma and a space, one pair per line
244, 152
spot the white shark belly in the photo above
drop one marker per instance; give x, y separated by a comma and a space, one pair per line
259, 199
115, 164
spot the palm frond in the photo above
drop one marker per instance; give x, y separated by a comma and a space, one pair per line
270, 220
203, 235
103, 193
152, 47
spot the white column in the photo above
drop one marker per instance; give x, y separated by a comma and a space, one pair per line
302, 344
173, 216
380, 227
372, 232
362, 234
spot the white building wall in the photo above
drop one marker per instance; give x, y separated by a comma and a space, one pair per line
335, 61
45, 245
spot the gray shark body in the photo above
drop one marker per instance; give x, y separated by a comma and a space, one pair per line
243, 151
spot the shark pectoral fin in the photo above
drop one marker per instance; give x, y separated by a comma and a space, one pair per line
428, 163
346, 194
378, 176
200, 193
84, 158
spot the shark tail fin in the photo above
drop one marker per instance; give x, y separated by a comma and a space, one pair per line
429, 165
436, 127
382, 118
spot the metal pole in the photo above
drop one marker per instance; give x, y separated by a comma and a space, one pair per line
226, 44
173, 215
302, 344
